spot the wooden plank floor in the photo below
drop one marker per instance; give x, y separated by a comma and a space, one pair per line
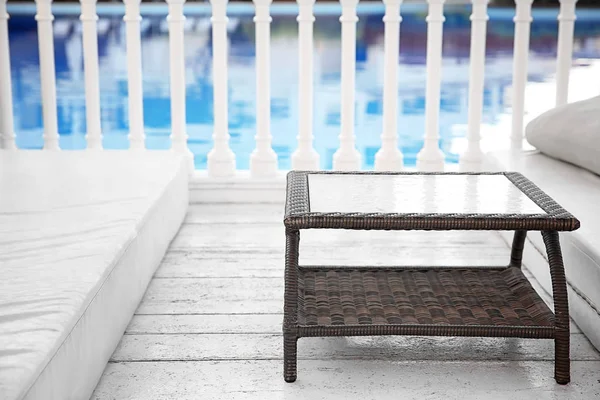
209, 326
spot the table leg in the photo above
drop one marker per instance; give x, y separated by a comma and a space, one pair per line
562, 366
516, 254
290, 347
290, 305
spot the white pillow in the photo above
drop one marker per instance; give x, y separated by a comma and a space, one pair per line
570, 133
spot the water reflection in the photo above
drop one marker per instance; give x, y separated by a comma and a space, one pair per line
284, 90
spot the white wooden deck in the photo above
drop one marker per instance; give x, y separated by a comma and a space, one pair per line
209, 326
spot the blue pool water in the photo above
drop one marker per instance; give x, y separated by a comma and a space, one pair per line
284, 104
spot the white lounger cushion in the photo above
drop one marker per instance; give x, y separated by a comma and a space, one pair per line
81, 235
578, 191
570, 133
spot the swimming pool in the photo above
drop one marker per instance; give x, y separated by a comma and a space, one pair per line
284, 70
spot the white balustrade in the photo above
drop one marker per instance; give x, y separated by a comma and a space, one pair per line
221, 160
132, 20
263, 160
44, 20
347, 156
305, 157
176, 21
431, 158
389, 157
566, 27
7, 135
521, 51
473, 155
89, 19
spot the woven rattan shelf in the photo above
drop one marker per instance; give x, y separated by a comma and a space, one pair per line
387, 301
361, 301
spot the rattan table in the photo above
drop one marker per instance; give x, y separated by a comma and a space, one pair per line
421, 300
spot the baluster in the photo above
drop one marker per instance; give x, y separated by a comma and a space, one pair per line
7, 126
566, 26
132, 20
221, 160
347, 156
305, 157
89, 20
521, 52
431, 158
44, 20
263, 161
176, 21
389, 157
473, 155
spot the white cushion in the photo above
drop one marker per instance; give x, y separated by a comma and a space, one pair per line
81, 234
578, 191
569, 133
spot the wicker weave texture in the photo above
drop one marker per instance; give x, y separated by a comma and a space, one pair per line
492, 297
298, 214
360, 301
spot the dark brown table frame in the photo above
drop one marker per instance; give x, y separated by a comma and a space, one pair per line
366, 301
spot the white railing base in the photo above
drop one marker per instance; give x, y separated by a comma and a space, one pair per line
263, 166
471, 160
190, 162
471, 166
305, 160
348, 160
134, 144
51, 143
474, 155
386, 160
189, 159
221, 164
137, 149
430, 159
92, 143
517, 143
9, 142
184, 151
94, 148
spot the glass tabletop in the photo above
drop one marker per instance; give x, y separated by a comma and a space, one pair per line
423, 194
